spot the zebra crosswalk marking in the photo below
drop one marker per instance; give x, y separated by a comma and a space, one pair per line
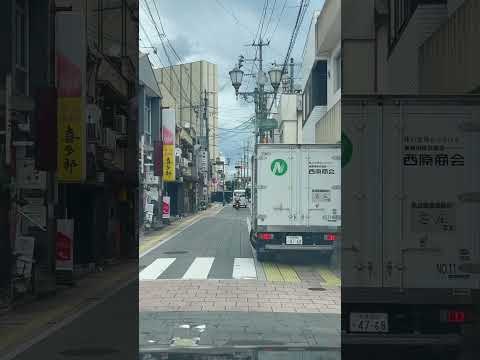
155, 269
243, 268
199, 269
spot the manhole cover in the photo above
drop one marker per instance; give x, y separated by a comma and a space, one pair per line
175, 252
89, 352
316, 289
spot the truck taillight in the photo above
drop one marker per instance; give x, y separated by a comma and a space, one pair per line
454, 316
265, 236
330, 237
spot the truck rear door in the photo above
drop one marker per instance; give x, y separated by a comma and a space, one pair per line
429, 232
319, 190
361, 191
275, 172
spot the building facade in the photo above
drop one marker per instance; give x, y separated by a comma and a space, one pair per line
192, 90
69, 162
322, 77
150, 149
411, 47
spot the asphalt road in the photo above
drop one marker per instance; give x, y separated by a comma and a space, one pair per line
219, 248
107, 331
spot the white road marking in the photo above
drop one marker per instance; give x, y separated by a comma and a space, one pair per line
156, 268
199, 268
244, 268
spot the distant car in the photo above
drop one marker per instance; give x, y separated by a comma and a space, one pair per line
240, 196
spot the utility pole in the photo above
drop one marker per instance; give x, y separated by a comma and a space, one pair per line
206, 143
261, 105
292, 65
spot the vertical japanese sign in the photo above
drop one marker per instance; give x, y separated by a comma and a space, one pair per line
64, 244
70, 57
168, 139
166, 207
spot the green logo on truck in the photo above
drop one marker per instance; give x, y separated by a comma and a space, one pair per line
279, 167
347, 150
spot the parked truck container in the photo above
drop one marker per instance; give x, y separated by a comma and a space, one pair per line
296, 198
411, 219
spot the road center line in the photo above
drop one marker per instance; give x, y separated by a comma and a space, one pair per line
199, 268
155, 269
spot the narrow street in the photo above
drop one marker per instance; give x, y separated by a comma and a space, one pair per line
208, 276
219, 248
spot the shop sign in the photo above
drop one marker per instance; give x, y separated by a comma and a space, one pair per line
64, 244
166, 207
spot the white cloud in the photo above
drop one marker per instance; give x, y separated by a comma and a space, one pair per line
203, 30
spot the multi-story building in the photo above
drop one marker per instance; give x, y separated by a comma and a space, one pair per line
149, 143
83, 63
322, 76
411, 47
192, 90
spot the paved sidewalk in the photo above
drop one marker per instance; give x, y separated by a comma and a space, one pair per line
238, 295
27, 321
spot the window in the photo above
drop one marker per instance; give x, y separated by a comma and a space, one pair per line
316, 88
21, 48
337, 63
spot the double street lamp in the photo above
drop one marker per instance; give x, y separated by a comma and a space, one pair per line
259, 94
274, 74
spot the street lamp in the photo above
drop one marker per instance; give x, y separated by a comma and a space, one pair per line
236, 76
275, 75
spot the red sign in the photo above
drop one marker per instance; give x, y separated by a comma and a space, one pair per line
64, 244
64, 247
166, 207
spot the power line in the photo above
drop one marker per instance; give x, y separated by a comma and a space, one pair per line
180, 59
301, 14
278, 21
270, 18
160, 36
232, 14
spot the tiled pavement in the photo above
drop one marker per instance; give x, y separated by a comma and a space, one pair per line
238, 296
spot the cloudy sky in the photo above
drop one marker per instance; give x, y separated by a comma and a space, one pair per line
218, 31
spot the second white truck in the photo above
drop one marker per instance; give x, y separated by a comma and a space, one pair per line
296, 198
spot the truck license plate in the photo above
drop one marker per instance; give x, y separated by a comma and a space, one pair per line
369, 322
294, 240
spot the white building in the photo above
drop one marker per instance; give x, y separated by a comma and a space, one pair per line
322, 76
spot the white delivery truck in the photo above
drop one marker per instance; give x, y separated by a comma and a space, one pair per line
411, 218
296, 198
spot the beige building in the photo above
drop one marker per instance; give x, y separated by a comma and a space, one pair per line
183, 87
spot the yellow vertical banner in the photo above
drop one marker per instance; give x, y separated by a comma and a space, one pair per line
70, 156
168, 163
